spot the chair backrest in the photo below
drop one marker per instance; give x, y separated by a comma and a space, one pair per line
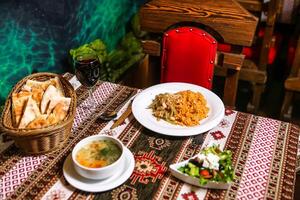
188, 55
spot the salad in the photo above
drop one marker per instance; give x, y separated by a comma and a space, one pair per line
211, 164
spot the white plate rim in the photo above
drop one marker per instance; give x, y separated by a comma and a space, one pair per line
118, 179
175, 130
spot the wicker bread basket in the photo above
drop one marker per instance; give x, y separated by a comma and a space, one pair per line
42, 140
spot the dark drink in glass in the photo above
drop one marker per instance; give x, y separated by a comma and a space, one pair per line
87, 70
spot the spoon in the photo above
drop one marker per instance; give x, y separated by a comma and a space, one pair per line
109, 115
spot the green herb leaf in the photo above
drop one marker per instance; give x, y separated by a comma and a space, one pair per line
104, 151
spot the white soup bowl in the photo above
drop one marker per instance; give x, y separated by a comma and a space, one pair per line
101, 172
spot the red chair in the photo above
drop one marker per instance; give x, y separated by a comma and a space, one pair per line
188, 55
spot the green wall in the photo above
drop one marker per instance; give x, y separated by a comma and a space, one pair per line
37, 35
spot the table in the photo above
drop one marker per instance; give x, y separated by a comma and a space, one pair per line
264, 157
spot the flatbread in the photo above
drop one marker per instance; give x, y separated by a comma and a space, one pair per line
37, 94
39, 122
19, 101
52, 119
35, 84
37, 89
43, 85
61, 109
30, 113
59, 113
51, 93
40, 104
63, 100
56, 82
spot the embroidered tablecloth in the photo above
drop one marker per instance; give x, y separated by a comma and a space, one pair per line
264, 156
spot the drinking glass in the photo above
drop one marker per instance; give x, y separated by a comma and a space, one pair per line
87, 70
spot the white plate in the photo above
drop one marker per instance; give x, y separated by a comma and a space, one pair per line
195, 181
144, 115
89, 185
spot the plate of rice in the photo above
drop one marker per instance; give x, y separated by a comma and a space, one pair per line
178, 109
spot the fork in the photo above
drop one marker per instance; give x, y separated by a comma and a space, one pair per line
109, 115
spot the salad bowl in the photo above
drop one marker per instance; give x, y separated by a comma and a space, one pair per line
191, 172
193, 180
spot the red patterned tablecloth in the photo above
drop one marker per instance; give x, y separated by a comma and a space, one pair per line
264, 157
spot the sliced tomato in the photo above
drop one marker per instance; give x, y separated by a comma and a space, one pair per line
205, 173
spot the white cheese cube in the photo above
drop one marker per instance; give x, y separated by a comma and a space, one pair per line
201, 157
206, 164
213, 161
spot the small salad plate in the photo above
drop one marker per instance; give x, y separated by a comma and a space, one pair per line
192, 171
195, 181
90, 185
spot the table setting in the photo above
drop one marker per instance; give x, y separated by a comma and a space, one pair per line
157, 157
148, 100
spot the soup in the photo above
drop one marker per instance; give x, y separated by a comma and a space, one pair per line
98, 154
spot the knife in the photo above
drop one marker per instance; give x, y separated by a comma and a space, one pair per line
122, 118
